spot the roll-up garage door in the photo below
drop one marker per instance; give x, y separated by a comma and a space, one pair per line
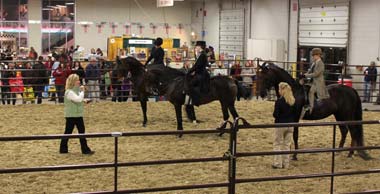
231, 38
323, 23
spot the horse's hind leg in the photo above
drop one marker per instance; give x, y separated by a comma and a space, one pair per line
178, 113
225, 116
343, 131
233, 111
143, 107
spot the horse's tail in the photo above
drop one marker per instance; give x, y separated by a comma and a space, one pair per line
358, 116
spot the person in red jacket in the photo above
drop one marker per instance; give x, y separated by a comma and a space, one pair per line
60, 74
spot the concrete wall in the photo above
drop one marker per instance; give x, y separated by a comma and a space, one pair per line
364, 39
210, 22
120, 11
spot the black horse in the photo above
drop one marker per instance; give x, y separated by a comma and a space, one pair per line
171, 83
344, 103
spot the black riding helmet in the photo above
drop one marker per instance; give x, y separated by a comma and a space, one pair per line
158, 41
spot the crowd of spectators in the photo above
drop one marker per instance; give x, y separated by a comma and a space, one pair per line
41, 77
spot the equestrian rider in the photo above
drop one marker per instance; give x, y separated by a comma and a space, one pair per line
200, 82
316, 74
157, 53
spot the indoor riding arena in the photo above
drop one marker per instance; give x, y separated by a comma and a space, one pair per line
190, 96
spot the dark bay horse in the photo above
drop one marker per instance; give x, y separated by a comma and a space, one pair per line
171, 84
344, 103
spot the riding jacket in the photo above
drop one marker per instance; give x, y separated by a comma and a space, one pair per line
316, 73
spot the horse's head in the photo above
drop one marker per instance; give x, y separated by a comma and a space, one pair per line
121, 68
267, 78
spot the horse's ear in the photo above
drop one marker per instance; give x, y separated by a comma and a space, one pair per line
264, 66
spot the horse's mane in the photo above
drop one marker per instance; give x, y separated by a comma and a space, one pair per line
284, 75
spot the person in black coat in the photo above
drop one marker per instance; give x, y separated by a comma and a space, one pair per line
157, 53
199, 76
283, 113
41, 75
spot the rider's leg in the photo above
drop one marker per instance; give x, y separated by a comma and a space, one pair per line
311, 97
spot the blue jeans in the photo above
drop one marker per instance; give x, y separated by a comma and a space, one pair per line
367, 91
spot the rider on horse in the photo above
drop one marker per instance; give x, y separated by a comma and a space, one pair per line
316, 75
157, 53
200, 78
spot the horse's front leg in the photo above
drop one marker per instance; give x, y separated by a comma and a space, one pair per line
178, 113
295, 139
143, 108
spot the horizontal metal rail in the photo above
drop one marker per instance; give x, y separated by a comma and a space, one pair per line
109, 165
306, 176
102, 135
159, 189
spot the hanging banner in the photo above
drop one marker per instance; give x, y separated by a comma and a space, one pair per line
180, 27
113, 25
127, 28
165, 3
100, 26
167, 27
85, 26
154, 27
141, 29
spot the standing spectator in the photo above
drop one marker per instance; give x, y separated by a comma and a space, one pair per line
29, 80
248, 74
211, 55
370, 75
99, 52
6, 74
78, 69
15, 82
49, 63
32, 54
92, 79
283, 113
74, 98
60, 75
42, 79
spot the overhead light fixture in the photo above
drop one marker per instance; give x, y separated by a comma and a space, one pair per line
72, 3
61, 6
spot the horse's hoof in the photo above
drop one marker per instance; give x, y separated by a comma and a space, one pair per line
144, 125
294, 158
221, 134
195, 122
180, 135
364, 155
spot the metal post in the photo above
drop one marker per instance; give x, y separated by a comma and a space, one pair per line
116, 135
232, 155
333, 161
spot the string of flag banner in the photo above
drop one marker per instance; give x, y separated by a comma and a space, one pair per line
128, 26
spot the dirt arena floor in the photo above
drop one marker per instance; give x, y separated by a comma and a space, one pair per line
124, 117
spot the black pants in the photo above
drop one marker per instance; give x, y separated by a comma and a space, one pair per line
70, 123
6, 94
60, 92
38, 93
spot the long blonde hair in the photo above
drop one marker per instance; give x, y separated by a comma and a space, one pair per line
70, 82
286, 91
